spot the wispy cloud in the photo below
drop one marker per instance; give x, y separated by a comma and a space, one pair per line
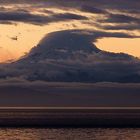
121, 18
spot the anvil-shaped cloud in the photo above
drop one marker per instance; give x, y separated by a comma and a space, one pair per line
71, 56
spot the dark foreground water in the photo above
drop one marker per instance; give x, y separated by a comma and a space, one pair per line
69, 133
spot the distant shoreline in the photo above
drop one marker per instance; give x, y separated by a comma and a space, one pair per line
70, 117
70, 108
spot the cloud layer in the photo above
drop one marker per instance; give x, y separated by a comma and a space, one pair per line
47, 94
27, 17
70, 56
109, 11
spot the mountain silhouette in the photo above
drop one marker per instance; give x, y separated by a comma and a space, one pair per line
62, 45
71, 56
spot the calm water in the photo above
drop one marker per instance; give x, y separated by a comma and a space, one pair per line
70, 134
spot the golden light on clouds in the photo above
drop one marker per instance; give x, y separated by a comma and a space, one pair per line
18, 39
69, 41
28, 36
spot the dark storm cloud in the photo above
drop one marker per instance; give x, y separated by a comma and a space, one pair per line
25, 16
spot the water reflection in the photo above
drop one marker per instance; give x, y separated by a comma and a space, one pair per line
69, 134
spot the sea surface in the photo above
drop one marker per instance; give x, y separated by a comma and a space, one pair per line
69, 133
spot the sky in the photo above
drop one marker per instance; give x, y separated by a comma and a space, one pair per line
23, 23
69, 46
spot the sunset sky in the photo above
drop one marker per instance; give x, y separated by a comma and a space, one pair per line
69, 52
24, 23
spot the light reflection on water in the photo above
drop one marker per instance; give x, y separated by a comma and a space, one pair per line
69, 134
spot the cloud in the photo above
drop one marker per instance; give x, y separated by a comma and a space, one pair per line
15, 16
71, 56
120, 18
115, 12
109, 4
122, 27
7, 22
68, 16
53, 94
27, 17
119, 22
47, 11
86, 8
72, 40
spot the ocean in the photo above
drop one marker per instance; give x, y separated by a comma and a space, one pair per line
69, 133
33, 123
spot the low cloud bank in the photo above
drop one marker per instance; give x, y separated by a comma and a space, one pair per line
21, 93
